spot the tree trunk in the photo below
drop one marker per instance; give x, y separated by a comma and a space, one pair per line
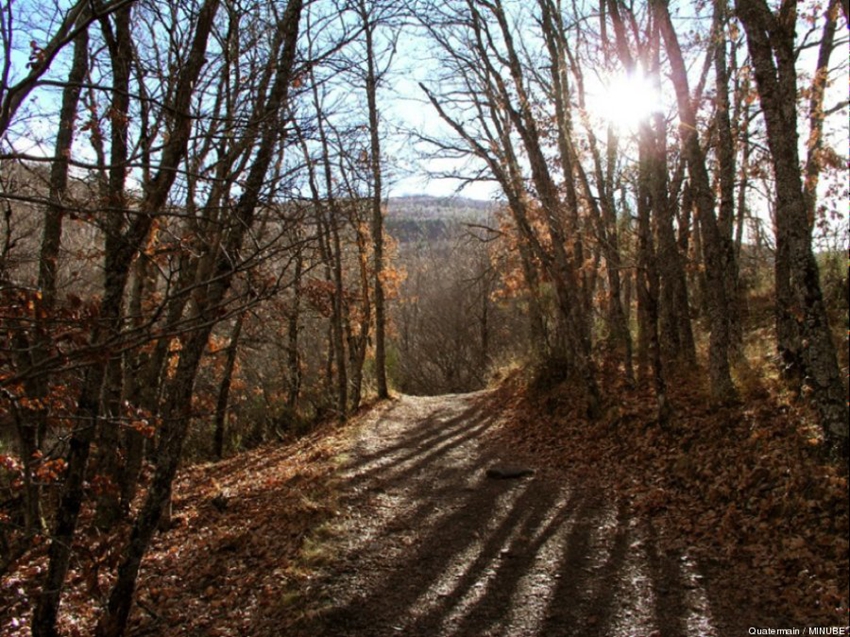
338, 317
714, 252
358, 340
651, 182
59, 553
178, 414
47, 607
136, 385
604, 211
619, 334
32, 429
293, 357
118, 37
799, 301
224, 388
727, 170
816, 112
673, 307
330, 218
376, 201
537, 326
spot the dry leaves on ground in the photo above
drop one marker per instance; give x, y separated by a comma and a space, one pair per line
746, 488
228, 561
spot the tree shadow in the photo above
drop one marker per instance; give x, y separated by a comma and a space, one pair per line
440, 549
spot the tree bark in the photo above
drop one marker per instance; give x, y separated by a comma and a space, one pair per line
358, 334
674, 316
33, 431
293, 316
726, 169
118, 37
799, 300
651, 183
376, 202
155, 196
224, 389
717, 266
816, 108
135, 384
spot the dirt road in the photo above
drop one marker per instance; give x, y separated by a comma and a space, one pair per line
426, 545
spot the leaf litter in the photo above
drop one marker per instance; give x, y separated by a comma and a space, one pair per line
228, 561
746, 489
741, 496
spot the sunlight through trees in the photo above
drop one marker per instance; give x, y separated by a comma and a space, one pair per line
202, 249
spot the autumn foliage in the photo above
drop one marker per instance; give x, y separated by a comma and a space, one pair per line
193, 263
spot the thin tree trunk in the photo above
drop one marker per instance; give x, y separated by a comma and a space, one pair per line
722, 387
52, 238
117, 34
224, 388
619, 333
537, 327
673, 307
376, 201
32, 430
816, 112
331, 215
338, 316
358, 339
726, 173
743, 183
293, 357
137, 363
651, 199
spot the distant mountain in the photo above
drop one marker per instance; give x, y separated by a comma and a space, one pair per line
426, 218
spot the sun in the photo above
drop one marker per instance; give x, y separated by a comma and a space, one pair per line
625, 100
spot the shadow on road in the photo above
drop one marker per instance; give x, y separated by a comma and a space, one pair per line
432, 547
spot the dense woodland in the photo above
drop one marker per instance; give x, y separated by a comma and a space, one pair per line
202, 251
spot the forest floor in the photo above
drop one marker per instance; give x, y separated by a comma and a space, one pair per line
429, 545
616, 533
727, 520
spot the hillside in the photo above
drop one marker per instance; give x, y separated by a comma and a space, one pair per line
425, 218
430, 207
390, 525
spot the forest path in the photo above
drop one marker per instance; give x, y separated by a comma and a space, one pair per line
426, 545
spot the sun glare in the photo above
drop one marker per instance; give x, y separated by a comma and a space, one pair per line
625, 100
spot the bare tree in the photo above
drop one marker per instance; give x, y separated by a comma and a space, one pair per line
487, 40
715, 249
372, 15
